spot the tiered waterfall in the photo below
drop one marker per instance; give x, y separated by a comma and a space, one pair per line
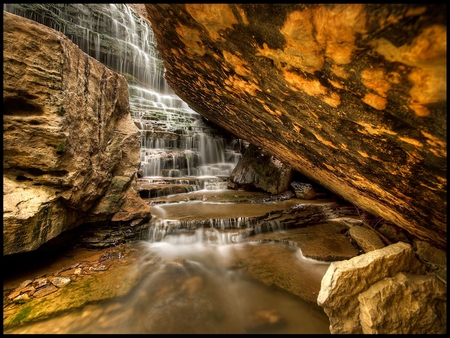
176, 141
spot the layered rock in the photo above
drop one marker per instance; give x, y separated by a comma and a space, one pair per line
383, 291
352, 96
71, 150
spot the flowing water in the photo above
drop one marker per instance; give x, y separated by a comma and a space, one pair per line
198, 285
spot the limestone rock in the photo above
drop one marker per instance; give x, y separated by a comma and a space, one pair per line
430, 254
345, 280
433, 258
353, 96
259, 170
68, 136
366, 239
393, 233
405, 303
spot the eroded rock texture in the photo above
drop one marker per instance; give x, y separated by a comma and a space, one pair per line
352, 96
383, 291
71, 150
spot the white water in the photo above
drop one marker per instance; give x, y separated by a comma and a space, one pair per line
197, 288
175, 140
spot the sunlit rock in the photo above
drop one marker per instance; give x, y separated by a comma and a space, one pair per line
405, 303
344, 281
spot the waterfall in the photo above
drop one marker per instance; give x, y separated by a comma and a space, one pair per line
176, 141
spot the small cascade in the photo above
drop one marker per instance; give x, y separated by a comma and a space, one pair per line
175, 140
209, 230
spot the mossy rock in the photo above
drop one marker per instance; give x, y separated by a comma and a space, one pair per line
117, 281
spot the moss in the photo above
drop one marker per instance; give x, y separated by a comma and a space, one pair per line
60, 148
21, 316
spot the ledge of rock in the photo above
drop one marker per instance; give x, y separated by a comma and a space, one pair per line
71, 150
352, 96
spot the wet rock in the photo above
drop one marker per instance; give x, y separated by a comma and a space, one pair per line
346, 221
60, 281
111, 255
262, 318
259, 170
89, 282
24, 284
111, 234
177, 262
192, 285
41, 282
14, 295
42, 292
21, 298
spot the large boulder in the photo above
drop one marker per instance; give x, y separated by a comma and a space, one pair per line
71, 149
422, 310
352, 96
383, 291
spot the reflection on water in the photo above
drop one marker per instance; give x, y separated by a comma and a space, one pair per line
193, 287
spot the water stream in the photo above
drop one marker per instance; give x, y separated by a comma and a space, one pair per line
193, 287
199, 286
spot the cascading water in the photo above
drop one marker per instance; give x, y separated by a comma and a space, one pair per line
198, 293
175, 140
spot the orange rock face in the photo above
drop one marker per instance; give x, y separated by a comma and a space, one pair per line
351, 95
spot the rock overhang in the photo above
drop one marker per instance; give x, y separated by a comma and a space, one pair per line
351, 95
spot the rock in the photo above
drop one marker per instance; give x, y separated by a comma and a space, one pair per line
430, 254
262, 318
45, 291
344, 281
366, 238
393, 233
71, 149
60, 281
21, 298
434, 258
303, 191
406, 304
259, 170
353, 96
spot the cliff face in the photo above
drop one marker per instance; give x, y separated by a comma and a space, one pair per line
71, 150
351, 95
